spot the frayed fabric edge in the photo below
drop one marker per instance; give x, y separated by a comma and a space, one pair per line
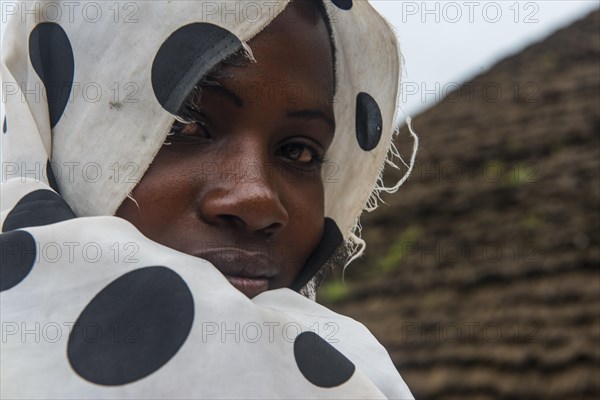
355, 244
129, 195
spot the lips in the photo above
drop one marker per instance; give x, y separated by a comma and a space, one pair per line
248, 271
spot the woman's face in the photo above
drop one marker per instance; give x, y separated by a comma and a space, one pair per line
242, 187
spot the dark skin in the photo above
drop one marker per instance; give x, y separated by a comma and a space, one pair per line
242, 187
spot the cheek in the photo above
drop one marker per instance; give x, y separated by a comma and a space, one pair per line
306, 200
305, 204
161, 195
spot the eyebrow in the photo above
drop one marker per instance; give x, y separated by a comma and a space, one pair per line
301, 114
312, 114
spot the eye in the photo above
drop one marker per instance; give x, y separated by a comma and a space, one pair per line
302, 154
193, 130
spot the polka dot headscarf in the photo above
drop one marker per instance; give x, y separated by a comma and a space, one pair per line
93, 309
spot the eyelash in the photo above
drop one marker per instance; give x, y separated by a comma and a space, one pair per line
316, 159
190, 115
178, 126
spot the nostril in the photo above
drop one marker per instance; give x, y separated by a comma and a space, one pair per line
272, 229
239, 223
232, 220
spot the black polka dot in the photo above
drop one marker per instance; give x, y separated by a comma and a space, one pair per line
320, 362
330, 240
132, 327
17, 252
368, 122
41, 207
185, 57
51, 178
343, 4
52, 58
4, 129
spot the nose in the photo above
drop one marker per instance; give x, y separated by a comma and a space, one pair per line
243, 194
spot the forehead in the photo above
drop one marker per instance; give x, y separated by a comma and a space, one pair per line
293, 52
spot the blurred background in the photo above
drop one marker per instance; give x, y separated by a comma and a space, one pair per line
481, 275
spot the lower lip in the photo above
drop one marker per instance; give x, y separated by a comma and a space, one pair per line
249, 286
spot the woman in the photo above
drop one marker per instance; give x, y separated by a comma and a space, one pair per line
212, 160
